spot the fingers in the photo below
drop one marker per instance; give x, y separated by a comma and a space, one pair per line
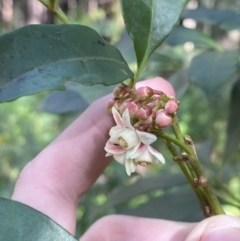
119, 228
56, 179
217, 228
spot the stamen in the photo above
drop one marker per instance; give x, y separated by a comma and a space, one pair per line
122, 142
144, 163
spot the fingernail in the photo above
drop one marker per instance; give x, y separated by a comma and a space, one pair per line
222, 234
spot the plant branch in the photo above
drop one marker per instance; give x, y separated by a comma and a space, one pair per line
194, 173
56, 10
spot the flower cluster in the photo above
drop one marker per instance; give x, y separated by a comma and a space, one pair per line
148, 108
136, 113
129, 146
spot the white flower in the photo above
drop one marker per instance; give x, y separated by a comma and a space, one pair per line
146, 155
130, 147
124, 134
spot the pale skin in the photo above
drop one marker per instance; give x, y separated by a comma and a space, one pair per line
55, 180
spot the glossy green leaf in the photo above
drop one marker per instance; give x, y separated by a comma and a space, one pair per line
211, 70
44, 57
233, 129
149, 22
22, 223
181, 35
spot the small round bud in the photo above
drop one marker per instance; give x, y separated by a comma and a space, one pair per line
171, 106
144, 112
121, 91
118, 91
144, 92
148, 121
132, 108
163, 119
123, 107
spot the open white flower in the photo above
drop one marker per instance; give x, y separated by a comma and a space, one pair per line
130, 147
124, 134
146, 155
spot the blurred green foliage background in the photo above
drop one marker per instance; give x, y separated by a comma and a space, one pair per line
200, 58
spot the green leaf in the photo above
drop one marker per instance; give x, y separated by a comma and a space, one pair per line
61, 102
143, 186
180, 205
181, 35
180, 82
22, 223
148, 23
225, 19
211, 70
44, 57
233, 129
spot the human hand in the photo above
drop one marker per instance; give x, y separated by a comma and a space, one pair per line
57, 178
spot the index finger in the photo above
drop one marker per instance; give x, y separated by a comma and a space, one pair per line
56, 179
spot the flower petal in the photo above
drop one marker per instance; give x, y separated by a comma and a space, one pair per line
138, 152
114, 129
130, 166
146, 138
120, 158
117, 117
131, 152
126, 119
113, 149
158, 156
108, 154
115, 135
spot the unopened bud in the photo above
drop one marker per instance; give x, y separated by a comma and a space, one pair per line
123, 107
121, 91
148, 121
163, 119
118, 91
158, 93
132, 108
144, 92
171, 106
144, 112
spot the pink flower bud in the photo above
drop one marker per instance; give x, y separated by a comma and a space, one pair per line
143, 92
118, 91
132, 108
144, 112
163, 119
171, 106
148, 121
121, 91
158, 93
123, 107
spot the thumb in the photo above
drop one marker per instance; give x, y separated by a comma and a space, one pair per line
217, 228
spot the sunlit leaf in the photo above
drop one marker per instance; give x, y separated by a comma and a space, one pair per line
149, 22
44, 57
22, 223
